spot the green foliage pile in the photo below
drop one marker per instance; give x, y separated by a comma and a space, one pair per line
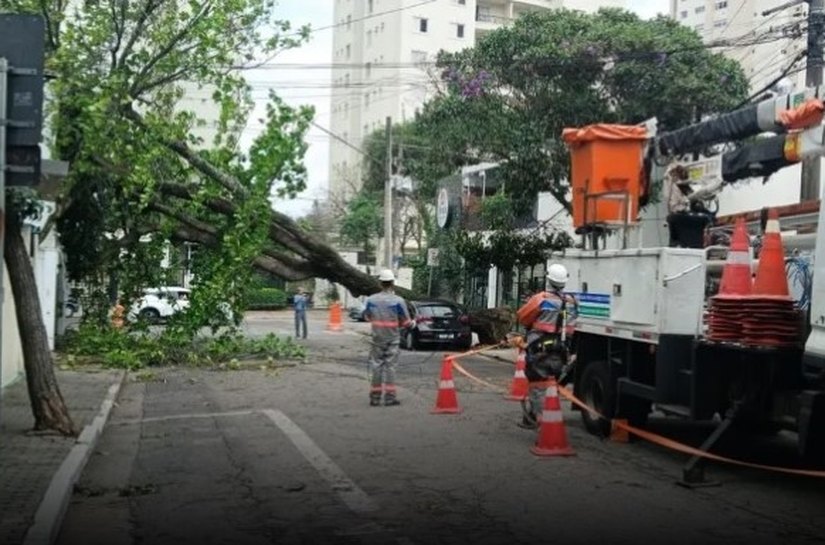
117, 348
266, 299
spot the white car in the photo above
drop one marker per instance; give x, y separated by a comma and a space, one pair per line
159, 304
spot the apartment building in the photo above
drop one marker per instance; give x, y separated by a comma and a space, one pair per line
766, 47
383, 54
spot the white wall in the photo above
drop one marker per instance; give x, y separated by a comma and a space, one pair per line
12, 352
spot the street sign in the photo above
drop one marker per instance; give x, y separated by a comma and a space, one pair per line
442, 211
432, 257
22, 44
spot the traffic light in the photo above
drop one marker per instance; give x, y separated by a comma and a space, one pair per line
22, 46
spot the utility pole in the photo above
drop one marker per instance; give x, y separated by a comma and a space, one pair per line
4, 89
811, 169
388, 201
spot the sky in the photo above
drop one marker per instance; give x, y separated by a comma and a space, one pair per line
308, 84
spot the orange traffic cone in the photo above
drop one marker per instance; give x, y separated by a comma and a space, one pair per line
335, 317
519, 387
736, 276
552, 439
447, 400
771, 278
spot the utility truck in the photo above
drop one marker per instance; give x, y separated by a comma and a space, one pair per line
642, 339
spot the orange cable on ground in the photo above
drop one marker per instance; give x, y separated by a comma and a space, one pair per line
686, 449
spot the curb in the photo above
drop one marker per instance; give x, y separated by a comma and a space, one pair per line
55, 502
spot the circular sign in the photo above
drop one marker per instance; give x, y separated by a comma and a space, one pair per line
442, 211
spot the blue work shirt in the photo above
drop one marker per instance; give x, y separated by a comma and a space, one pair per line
300, 302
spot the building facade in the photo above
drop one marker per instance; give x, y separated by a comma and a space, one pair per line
766, 46
383, 59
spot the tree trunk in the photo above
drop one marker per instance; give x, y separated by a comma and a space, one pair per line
492, 324
48, 407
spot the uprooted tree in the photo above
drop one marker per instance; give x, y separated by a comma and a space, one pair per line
140, 176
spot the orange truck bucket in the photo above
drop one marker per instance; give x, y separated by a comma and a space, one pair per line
605, 159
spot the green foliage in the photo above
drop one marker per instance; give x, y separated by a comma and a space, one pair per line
508, 99
266, 299
121, 71
332, 294
120, 349
363, 222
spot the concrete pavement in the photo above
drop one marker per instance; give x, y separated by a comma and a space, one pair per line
297, 456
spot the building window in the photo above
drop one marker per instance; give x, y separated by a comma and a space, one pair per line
699, 28
346, 80
683, 15
699, 9
369, 38
721, 23
422, 25
722, 5
459, 31
366, 100
461, 2
369, 69
370, 5
349, 22
349, 51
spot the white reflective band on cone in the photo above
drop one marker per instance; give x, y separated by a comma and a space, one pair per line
772, 226
551, 416
520, 374
738, 258
444, 384
552, 391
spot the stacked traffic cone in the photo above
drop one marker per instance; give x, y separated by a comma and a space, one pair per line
726, 309
447, 400
335, 317
772, 318
552, 439
519, 387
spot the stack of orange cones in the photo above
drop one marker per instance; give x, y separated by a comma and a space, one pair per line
552, 439
335, 323
447, 400
726, 311
761, 314
772, 318
519, 386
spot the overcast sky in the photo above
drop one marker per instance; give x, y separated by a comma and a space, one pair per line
309, 84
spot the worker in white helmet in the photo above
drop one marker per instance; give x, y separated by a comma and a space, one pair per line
387, 313
548, 343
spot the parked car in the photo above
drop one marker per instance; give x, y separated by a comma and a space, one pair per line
437, 323
158, 304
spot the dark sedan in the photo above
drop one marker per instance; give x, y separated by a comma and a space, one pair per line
437, 323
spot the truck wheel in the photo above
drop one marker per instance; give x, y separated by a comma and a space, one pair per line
597, 390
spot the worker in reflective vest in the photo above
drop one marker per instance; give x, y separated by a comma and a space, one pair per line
548, 343
387, 313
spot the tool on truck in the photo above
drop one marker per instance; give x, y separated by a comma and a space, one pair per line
644, 337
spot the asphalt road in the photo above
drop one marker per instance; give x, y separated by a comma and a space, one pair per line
296, 455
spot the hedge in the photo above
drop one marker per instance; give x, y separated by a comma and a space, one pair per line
266, 299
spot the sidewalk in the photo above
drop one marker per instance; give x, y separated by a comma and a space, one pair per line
28, 461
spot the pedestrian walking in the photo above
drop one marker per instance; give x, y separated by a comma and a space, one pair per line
300, 302
387, 314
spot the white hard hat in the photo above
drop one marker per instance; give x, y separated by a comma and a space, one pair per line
557, 274
386, 276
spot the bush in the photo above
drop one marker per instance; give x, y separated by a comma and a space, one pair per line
266, 299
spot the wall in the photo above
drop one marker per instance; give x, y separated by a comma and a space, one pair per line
12, 352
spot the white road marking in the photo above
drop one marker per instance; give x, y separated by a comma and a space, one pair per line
349, 492
181, 417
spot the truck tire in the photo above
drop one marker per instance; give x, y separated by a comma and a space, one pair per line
597, 389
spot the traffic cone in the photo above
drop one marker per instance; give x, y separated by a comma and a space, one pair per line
736, 276
771, 278
519, 387
618, 433
447, 400
552, 439
335, 317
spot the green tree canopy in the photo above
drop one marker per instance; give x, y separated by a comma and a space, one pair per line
509, 98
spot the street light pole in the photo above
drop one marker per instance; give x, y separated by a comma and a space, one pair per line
4, 90
388, 200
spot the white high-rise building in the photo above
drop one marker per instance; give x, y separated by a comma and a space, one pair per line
766, 47
383, 53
